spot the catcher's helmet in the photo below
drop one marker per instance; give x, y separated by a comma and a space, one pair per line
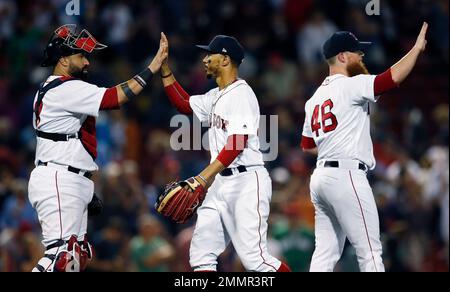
67, 41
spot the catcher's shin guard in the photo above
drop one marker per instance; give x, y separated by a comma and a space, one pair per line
70, 256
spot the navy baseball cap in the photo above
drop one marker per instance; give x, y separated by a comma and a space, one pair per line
343, 41
225, 45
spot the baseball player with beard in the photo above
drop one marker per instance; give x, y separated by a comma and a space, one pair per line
337, 129
65, 108
237, 205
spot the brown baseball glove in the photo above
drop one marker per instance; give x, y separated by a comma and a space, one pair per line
180, 200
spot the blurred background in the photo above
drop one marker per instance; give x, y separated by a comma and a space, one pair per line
283, 40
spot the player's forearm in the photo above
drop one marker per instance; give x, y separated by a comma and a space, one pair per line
127, 91
206, 177
178, 97
234, 147
167, 75
403, 68
133, 87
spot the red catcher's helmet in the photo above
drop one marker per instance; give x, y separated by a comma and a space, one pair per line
67, 40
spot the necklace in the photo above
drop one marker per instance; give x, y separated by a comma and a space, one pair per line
223, 91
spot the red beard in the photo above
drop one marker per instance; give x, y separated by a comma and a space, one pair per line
357, 68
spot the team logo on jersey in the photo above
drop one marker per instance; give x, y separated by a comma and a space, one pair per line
218, 122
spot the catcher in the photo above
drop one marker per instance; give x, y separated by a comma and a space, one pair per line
237, 205
65, 108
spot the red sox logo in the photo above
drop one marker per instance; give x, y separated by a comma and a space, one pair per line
218, 122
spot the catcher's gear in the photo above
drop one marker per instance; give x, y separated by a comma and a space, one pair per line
67, 40
66, 256
95, 207
180, 200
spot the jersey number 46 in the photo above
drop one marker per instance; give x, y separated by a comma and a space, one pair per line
328, 122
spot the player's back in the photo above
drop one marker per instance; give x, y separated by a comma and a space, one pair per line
338, 118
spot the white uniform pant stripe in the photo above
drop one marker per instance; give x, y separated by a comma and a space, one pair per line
364, 220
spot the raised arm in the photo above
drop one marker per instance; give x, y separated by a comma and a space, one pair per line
134, 86
177, 95
403, 68
395, 75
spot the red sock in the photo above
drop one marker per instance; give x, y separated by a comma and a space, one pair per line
284, 268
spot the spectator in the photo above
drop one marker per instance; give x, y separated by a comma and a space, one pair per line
150, 252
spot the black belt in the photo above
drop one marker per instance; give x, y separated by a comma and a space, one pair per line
59, 243
87, 174
361, 166
57, 137
229, 171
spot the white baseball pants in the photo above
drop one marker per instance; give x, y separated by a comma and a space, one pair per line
60, 198
236, 209
344, 208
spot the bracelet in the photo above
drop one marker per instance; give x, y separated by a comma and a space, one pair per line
166, 76
203, 179
144, 77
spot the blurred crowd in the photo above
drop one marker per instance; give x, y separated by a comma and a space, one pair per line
283, 64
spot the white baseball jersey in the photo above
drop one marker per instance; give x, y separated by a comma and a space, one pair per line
337, 117
338, 120
237, 207
64, 110
231, 111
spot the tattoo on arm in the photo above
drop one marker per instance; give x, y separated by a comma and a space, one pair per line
127, 90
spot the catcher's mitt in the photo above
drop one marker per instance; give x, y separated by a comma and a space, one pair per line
180, 200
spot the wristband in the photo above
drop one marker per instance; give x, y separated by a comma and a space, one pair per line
203, 179
144, 77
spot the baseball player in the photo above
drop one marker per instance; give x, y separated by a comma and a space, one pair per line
65, 108
237, 205
337, 129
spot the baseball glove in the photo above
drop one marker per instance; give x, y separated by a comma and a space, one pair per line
180, 200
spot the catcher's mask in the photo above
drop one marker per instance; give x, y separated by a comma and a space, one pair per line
67, 40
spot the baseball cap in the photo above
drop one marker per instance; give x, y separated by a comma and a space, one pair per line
343, 41
226, 45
